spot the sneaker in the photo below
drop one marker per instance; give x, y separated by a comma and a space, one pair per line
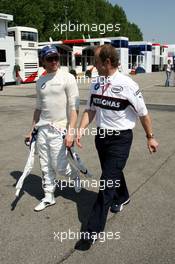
115, 208
43, 204
77, 184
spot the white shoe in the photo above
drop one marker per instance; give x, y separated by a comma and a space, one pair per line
77, 184
43, 204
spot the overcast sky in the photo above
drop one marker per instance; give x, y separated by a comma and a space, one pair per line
156, 18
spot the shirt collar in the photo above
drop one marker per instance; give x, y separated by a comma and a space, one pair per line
111, 77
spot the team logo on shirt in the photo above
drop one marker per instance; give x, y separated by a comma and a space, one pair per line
96, 86
117, 89
43, 86
110, 103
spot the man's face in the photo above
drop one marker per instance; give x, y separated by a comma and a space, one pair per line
51, 63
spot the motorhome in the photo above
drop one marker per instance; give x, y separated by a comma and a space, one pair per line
7, 52
121, 44
140, 55
26, 52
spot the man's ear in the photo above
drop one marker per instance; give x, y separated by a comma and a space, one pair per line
107, 62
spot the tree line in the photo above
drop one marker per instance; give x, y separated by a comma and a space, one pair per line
48, 16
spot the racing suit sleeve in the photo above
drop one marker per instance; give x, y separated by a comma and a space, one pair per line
136, 99
38, 98
72, 93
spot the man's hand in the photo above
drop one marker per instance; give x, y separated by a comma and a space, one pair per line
80, 133
69, 140
78, 137
28, 138
152, 145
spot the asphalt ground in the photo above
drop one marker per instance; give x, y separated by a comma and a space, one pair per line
146, 225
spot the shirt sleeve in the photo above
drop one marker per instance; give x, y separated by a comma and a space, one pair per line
90, 106
72, 93
136, 99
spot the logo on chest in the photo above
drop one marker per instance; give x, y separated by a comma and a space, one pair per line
96, 86
109, 103
43, 86
116, 89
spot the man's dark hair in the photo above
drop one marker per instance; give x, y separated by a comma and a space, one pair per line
107, 51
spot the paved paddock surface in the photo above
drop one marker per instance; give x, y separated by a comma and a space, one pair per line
147, 224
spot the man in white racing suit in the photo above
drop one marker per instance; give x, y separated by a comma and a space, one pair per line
55, 118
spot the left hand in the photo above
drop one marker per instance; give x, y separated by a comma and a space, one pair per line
69, 140
78, 137
152, 145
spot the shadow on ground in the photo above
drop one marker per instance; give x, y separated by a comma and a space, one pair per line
33, 186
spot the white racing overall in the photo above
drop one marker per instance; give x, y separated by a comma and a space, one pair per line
57, 95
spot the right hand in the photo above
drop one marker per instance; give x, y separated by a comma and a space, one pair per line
152, 145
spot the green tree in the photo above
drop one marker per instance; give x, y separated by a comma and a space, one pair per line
46, 15
133, 32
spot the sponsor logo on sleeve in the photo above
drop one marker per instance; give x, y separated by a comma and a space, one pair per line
137, 92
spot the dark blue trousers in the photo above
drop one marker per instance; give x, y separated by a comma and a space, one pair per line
113, 151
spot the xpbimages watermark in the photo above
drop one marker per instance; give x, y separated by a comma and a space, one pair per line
101, 184
94, 131
71, 235
101, 28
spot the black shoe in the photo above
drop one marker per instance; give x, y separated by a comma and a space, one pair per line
85, 242
115, 208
